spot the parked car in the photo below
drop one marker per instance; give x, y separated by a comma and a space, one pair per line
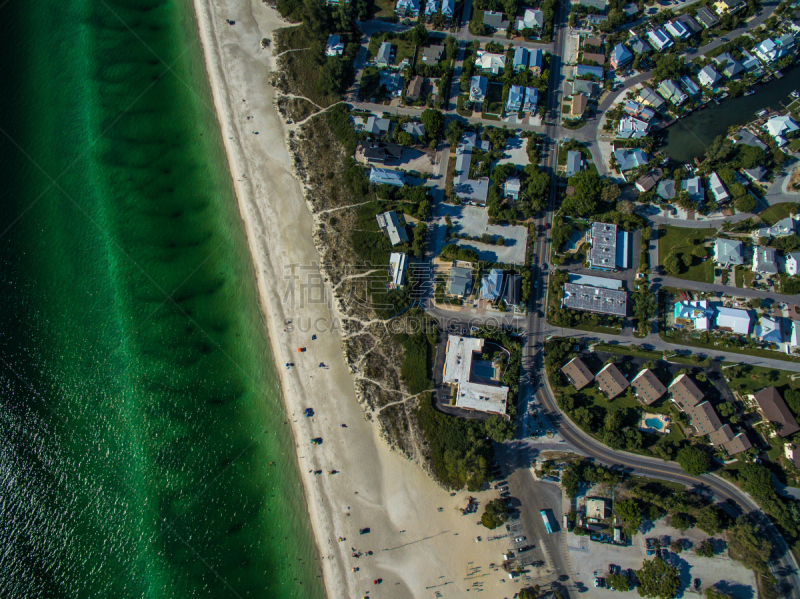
599, 582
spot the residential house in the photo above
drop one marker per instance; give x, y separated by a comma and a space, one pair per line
377, 126
779, 127
671, 92
379, 152
448, 7
431, 8
471, 190
596, 20
685, 392
689, 86
756, 174
496, 21
696, 313
628, 158
765, 261
638, 45
600, 5
536, 61
717, 189
574, 163
385, 176
728, 65
385, 55
750, 63
459, 282
492, 285
393, 82
786, 42
390, 224
432, 54
707, 17
703, 418
334, 46
520, 59
666, 189
769, 51
728, 252
577, 373
595, 57
515, 98
647, 387
531, 99
414, 90
649, 97
407, 8
610, 381
749, 139
398, 263
490, 63
578, 106
723, 6
732, 444
511, 188
631, 9
620, 56
677, 30
785, 226
647, 182
709, 77
733, 320
639, 111
631, 128
690, 23
531, 19
659, 39
512, 290
793, 263
769, 330
478, 86
414, 129
592, 42
582, 86
775, 411
583, 70
694, 187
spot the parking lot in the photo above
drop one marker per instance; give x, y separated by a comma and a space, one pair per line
593, 559
474, 221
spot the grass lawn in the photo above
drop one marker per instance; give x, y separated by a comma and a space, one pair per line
494, 94
463, 100
562, 153
402, 49
652, 355
680, 241
680, 338
777, 212
383, 8
794, 145
763, 377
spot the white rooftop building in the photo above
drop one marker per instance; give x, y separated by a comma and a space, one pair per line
717, 189
733, 319
475, 387
398, 263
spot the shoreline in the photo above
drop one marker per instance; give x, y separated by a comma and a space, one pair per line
417, 539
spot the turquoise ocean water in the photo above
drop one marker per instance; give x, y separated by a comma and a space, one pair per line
139, 407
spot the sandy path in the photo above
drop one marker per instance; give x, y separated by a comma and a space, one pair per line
417, 549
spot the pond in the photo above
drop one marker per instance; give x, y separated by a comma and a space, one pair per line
689, 137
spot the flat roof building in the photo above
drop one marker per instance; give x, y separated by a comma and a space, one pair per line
398, 263
577, 373
474, 387
595, 299
610, 381
596, 507
685, 392
647, 387
603, 255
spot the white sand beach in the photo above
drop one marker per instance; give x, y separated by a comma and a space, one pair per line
417, 549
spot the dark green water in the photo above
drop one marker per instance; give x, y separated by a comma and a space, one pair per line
139, 408
689, 137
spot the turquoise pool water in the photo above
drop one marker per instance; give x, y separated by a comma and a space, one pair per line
653, 423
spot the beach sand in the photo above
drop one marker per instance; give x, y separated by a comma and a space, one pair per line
417, 549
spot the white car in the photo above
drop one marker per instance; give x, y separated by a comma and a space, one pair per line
519, 539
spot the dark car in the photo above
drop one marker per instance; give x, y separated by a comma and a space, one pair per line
697, 584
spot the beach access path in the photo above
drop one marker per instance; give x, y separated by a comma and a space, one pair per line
418, 548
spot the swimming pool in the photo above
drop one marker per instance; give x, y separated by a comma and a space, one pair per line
653, 423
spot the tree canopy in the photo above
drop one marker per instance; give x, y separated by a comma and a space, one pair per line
694, 460
658, 579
